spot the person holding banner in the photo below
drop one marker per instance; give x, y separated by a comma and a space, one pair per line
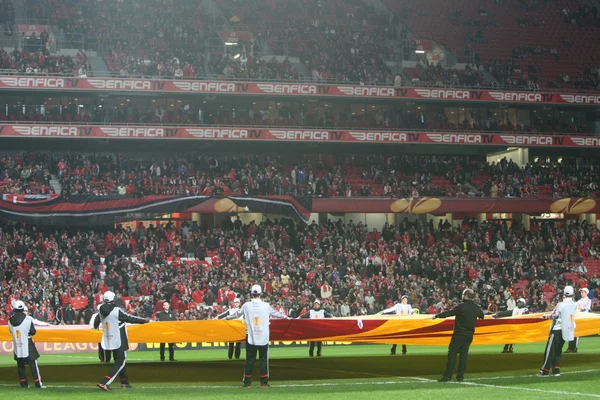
256, 314
166, 315
584, 304
103, 355
22, 330
114, 338
233, 347
316, 313
402, 308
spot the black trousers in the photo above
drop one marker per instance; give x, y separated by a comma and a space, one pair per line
553, 352
263, 352
508, 348
35, 371
311, 349
574, 344
118, 368
237, 347
458, 345
395, 346
103, 355
171, 351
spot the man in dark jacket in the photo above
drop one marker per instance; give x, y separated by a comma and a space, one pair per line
166, 315
466, 315
114, 338
22, 329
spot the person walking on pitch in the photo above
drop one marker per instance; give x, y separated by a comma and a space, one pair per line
402, 308
584, 304
316, 313
234, 347
256, 314
166, 315
520, 309
562, 330
114, 338
466, 314
22, 330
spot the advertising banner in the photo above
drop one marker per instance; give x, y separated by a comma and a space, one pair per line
47, 83
244, 134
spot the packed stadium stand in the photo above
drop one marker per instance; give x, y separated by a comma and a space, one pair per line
396, 130
322, 175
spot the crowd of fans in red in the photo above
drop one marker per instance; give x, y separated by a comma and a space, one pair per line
42, 63
340, 40
353, 268
321, 175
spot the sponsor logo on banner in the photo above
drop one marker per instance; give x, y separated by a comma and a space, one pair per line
133, 132
522, 97
398, 137
208, 87
6, 348
306, 135
529, 140
581, 98
293, 88
444, 94
224, 345
368, 91
34, 82
587, 142
461, 138
226, 133
121, 84
53, 131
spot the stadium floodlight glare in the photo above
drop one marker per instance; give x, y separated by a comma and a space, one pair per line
230, 43
420, 51
236, 56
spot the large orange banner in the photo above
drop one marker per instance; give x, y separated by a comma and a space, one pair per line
417, 329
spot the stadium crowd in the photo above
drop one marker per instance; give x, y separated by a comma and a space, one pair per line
354, 269
322, 175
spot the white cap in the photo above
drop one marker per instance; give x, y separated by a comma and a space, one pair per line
584, 289
317, 301
109, 296
569, 291
236, 300
256, 289
522, 300
19, 305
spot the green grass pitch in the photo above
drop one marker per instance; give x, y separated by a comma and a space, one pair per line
344, 372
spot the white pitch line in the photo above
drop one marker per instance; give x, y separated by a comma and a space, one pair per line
293, 385
528, 376
524, 389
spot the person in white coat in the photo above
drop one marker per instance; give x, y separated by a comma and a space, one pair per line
114, 338
256, 314
584, 304
22, 330
103, 355
402, 308
561, 331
